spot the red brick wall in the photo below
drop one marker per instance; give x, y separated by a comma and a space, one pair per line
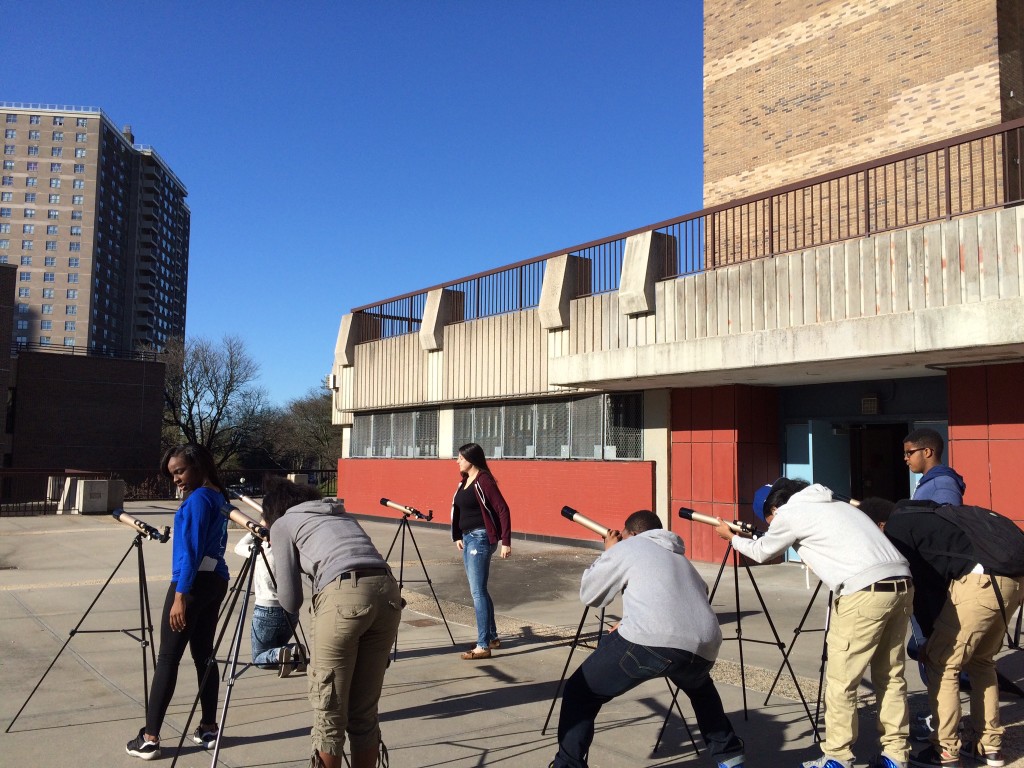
536, 491
986, 435
724, 445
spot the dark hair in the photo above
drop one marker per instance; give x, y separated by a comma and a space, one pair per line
642, 520
878, 509
782, 490
927, 438
281, 495
197, 456
474, 454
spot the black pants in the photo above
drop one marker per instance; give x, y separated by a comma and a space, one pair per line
201, 607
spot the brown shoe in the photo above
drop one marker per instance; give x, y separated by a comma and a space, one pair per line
495, 643
477, 653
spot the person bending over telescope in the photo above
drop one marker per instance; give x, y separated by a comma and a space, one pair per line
873, 594
667, 630
357, 606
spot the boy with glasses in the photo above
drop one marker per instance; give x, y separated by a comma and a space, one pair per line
922, 450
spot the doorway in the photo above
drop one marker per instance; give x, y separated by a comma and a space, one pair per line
876, 461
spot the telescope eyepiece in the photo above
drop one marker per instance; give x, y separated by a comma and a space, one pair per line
568, 512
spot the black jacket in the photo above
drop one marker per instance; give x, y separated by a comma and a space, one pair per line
938, 552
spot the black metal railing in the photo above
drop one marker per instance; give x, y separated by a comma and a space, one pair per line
962, 175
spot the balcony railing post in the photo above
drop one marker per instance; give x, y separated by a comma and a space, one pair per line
949, 186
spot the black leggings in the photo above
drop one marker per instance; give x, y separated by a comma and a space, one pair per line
201, 608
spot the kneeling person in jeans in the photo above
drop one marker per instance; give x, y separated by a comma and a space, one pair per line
667, 630
357, 607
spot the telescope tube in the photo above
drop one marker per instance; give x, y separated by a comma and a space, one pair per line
571, 514
407, 510
738, 527
145, 529
242, 519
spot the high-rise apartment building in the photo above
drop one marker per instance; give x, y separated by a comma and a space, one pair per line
98, 228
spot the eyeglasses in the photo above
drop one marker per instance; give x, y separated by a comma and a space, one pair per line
908, 454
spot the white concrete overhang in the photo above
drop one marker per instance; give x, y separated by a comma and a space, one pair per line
904, 345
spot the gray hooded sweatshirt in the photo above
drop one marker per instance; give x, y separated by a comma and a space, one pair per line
318, 539
666, 605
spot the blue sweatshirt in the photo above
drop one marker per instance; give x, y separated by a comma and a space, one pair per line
200, 538
942, 485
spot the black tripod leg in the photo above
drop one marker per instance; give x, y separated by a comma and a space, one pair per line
561, 679
796, 636
136, 542
739, 626
781, 645
247, 571
146, 623
675, 703
426, 576
821, 668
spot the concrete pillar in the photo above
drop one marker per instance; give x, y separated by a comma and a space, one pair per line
645, 262
344, 347
443, 306
446, 433
657, 439
562, 277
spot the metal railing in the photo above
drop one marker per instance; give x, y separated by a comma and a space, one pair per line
34, 346
25, 492
962, 175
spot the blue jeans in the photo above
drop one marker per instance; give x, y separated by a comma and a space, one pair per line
618, 666
476, 557
271, 629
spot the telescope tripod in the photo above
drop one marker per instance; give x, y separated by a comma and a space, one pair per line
144, 630
731, 552
824, 653
561, 683
404, 529
246, 574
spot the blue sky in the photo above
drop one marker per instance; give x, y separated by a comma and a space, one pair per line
341, 153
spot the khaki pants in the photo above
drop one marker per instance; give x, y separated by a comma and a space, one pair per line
355, 622
967, 635
867, 629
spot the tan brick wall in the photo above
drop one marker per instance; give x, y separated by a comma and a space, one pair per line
801, 88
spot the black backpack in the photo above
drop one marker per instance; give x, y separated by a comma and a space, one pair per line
997, 541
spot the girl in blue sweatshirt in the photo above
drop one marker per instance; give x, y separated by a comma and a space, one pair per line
199, 581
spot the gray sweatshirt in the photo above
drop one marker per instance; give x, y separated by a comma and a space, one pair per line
842, 545
318, 539
666, 604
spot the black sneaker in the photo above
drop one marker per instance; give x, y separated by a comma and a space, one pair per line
992, 757
142, 748
205, 737
934, 756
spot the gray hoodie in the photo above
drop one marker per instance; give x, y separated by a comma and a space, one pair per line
318, 539
666, 605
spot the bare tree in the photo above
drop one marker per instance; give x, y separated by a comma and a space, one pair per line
315, 438
211, 396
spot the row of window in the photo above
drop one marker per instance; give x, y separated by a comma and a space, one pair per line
74, 230
47, 309
608, 426
81, 122
32, 166
48, 277
11, 133
51, 245
30, 213
33, 181
26, 293
45, 341
33, 151
30, 197
46, 325
74, 262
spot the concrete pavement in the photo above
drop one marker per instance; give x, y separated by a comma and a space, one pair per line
437, 710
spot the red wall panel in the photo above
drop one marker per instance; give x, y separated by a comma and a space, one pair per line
986, 431
724, 445
536, 491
